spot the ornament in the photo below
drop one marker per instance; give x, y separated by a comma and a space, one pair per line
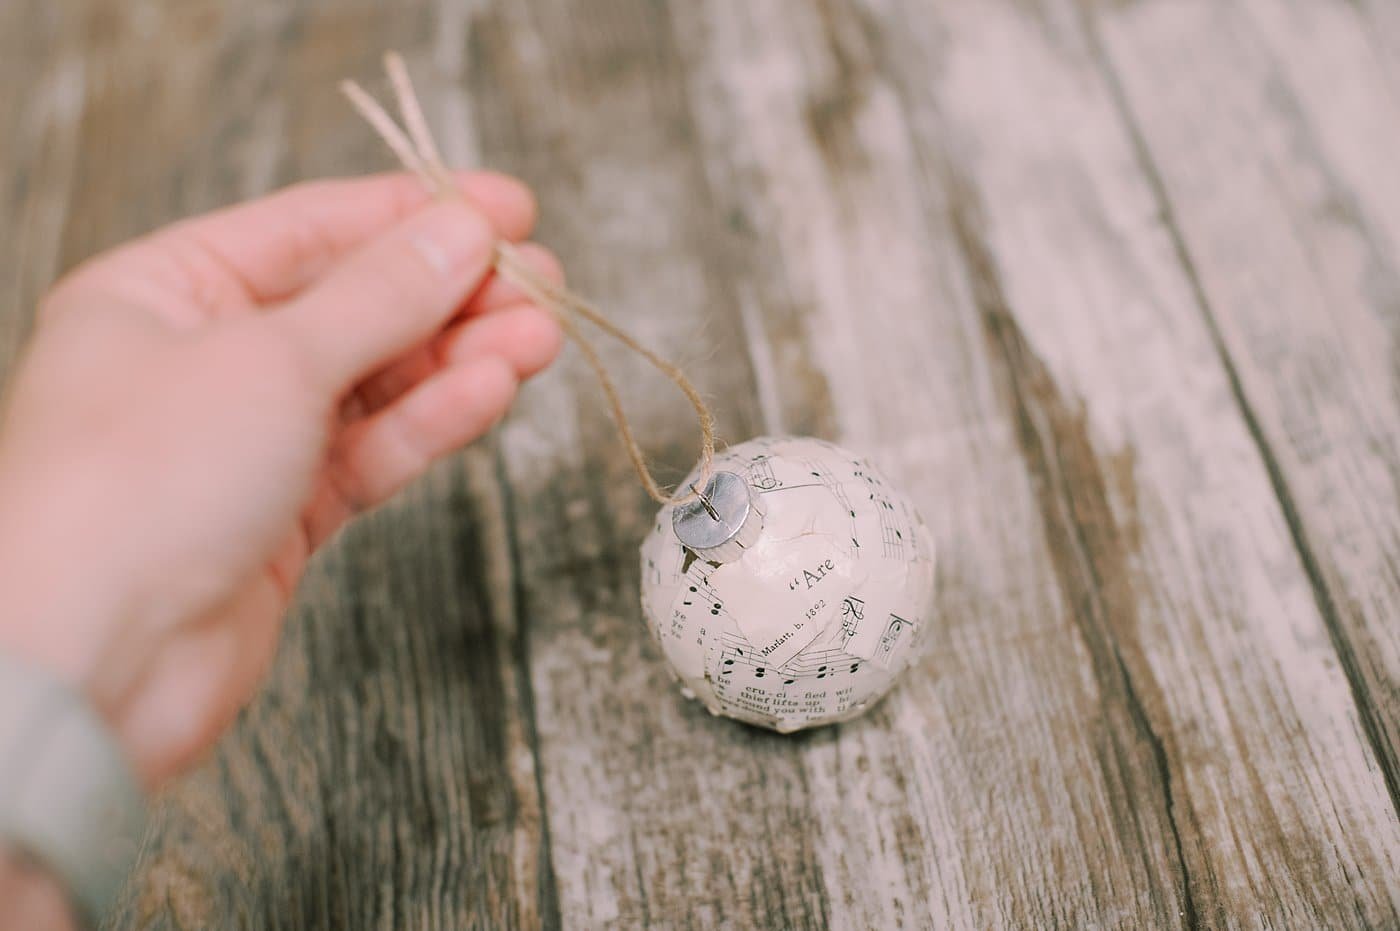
793, 591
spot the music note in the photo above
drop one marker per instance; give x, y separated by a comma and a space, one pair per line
891, 535
735, 652
698, 595
820, 665
733, 657
852, 613
889, 640
761, 474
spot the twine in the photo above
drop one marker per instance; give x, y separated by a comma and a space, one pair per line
414, 145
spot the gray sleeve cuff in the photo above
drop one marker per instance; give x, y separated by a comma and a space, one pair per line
68, 797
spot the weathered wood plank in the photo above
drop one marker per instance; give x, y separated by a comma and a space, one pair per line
1001, 740
1380, 24
41, 88
1309, 312
657, 815
986, 243
1173, 562
1323, 873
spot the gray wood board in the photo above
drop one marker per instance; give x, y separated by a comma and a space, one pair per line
1111, 291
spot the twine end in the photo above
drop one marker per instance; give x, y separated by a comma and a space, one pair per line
705, 502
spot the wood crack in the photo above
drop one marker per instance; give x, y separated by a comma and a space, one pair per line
547, 893
1367, 711
1088, 551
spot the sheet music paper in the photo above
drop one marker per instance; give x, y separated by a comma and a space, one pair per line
816, 620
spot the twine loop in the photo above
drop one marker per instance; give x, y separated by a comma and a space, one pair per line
415, 147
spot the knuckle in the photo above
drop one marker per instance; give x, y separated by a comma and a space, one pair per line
412, 276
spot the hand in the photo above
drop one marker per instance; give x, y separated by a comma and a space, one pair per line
201, 409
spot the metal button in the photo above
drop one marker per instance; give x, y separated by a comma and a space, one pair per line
723, 521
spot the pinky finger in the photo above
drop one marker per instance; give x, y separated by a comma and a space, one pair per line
376, 457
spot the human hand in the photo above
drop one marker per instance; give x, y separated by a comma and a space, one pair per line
204, 407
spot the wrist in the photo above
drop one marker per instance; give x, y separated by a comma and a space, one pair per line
49, 625
59, 608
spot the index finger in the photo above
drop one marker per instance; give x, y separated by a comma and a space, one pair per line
276, 246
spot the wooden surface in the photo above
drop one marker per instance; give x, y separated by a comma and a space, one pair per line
1112, 289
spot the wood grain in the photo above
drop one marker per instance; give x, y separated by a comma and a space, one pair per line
1094, 358
1110, 289
1321, 214
649, 804
385, 776
41, 90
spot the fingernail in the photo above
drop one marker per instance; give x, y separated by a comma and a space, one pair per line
453, 238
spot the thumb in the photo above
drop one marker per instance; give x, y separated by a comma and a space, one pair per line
392, 294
